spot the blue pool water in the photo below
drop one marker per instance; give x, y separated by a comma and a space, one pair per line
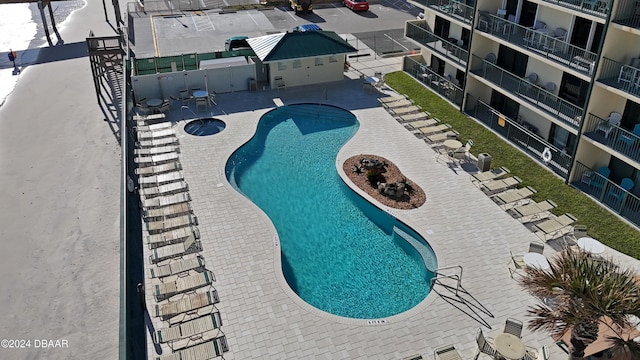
339, 252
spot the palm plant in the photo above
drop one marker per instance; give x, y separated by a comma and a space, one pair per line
580, 291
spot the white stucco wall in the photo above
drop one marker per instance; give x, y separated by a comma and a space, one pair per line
308, 71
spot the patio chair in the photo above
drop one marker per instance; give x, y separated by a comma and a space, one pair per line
514, 197
518, 263
599, 179
205, 351
168, 224
536, 247
177, 267
405, 110
189, 328
446, 352
155, 180
494, 186
618, 193
537, 354
462, 153
202, 104
532, 211
166, 189
484, 346
571, 238
513, 327
157, 150
554, 226
417, 116
150, 135
183, 284
630, 140
397, 104
613, 120
490, 175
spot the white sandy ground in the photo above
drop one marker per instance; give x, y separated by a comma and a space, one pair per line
59, 209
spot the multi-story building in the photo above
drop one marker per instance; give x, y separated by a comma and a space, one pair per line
559, 79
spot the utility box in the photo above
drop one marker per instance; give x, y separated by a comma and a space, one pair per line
484, 162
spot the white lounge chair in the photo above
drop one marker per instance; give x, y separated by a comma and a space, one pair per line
158, 169
167, 200
428, 130
206, 351
514, 197
440, 137
416, 125
163, 190
187, 304
389, 99
156, 180
498, 185
158, 142
188, 328
405, 110
398, 104
532, 211
177, 267
183, 284
154, 127
417, 116
167, 211
551, 228
164, 225
172, 236
151, 160
189, 246
157, 150
150, 135
490, 175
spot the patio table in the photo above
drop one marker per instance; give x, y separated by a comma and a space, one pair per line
590, 245
509, 346
536, 260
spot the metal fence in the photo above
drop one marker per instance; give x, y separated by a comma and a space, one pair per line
439, 84
452, 8
628, 13
598, 8
620, 76
418, 31
184, 62
544, 100
518, 135
615, 137
608, 193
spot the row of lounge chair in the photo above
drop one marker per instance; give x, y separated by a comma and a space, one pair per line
503, 189
181, 285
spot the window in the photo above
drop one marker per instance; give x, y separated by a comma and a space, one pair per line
319, 62
333, 59
297, 64
282, 66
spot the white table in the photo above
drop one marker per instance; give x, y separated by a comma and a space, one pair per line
591, 245
509, 346
200, 94
154, 102
452, 144
536, 260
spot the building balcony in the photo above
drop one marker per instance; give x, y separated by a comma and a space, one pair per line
621, 76
530, 93
599, 8
628, 13
518, 135
624, 142
622, 202
449, 48
445, 87
453, 8
547, 43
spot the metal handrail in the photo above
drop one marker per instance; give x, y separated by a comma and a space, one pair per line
426, 37
452, 8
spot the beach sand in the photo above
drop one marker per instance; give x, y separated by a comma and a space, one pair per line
59, 221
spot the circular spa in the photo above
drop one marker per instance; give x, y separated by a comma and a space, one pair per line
340, 253
204, 127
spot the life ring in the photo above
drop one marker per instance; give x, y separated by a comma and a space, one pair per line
546, 154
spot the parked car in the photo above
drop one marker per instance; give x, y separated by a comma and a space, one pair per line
236, 43
303, 6
357, 5
307, 27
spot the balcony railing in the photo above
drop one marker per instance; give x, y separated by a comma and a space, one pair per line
610, 194
600, 8
453, 8
518, 135
539, 41
546, 101
628, 13
619, 139
620, 76
439, 84
419, 32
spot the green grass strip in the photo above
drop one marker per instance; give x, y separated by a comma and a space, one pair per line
601, 224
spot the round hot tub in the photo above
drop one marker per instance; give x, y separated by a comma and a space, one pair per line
204, 127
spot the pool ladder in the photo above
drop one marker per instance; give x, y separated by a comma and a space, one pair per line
185, 107
455, 276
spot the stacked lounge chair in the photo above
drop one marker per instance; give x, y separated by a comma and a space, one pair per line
532, 211
181, 285
554, 227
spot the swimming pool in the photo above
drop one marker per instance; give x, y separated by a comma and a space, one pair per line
339, 252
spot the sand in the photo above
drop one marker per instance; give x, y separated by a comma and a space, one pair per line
59, 220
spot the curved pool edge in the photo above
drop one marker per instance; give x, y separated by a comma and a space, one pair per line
275, 240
